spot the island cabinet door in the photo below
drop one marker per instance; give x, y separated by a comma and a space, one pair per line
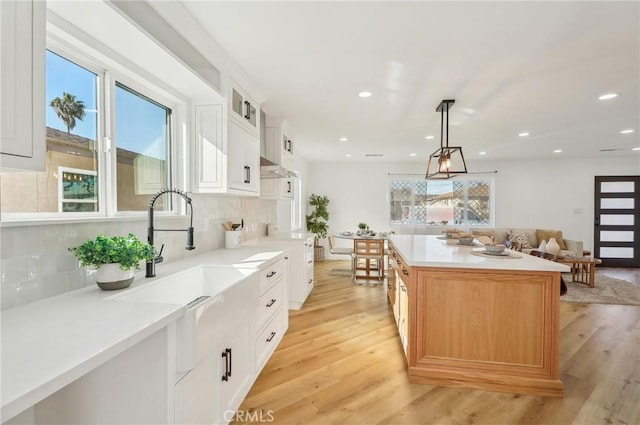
492, 329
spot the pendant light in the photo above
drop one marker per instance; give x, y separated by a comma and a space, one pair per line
448, 161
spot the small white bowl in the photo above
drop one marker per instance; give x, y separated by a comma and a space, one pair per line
495, 249
465, 241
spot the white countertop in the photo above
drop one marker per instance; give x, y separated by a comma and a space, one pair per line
429, 251
288, 236
48, 344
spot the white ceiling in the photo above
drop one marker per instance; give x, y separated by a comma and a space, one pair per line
511, 67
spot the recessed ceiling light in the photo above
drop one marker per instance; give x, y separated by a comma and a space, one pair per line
365, 94
343, 139
608, 96
482, 153
429, 137
413, 154
636, 149
627, 131
348, 155
557, 151
523, 134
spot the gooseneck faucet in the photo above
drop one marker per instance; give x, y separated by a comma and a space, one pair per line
151, 265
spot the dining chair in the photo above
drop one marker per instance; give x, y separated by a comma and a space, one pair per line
368, 261
333, 249
551, 257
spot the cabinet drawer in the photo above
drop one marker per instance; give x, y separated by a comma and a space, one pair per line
270, 275
270, 302
310, 278
268, 339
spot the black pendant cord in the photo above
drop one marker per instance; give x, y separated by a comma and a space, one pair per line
442, 127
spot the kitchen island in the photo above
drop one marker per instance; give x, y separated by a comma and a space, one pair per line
471, 320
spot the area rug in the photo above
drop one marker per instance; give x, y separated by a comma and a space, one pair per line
607, 291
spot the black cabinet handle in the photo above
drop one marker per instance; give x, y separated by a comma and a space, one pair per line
226, 355
271, 274
273, 334
288, 186
272, 302
247, 174
247, 106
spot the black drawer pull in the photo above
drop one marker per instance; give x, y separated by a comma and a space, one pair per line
273, 273
273, 334
272, 302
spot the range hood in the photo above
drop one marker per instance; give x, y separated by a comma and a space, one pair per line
271, 170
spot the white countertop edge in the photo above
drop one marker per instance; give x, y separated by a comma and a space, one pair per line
22, 402
429, 251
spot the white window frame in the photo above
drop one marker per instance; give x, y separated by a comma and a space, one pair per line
107, 73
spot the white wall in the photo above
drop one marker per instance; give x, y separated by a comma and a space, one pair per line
536, 193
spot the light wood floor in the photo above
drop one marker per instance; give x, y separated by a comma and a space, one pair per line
341, 362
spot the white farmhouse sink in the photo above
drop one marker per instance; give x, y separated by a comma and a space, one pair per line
212, 297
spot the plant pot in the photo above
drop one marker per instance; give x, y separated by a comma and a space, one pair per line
110, 277
318, 253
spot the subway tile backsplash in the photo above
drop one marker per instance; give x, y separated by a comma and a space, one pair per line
35, 263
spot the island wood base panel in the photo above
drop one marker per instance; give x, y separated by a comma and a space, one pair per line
484, 381
488, 329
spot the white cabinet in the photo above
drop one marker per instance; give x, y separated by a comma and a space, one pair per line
301, 265
224, 366
22, 103
280, 188
279, 142
244, 110
226, 156
272, 315
244, 160
236, 369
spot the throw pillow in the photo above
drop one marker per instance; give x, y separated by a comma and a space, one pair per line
484, 232
485, 240
521, 238
545, 235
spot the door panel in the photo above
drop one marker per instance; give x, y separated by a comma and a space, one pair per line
617, 220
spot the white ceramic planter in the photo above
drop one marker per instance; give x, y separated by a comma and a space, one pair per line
110, 277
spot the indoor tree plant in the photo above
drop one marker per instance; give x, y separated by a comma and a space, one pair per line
116, 258
317, 222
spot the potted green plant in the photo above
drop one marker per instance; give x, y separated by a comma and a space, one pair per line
115, 258
317, 222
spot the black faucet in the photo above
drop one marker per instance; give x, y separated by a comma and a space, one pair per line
151, 265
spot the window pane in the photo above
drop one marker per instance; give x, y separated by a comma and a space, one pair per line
142, 138
440, 202
478, 202
71, 119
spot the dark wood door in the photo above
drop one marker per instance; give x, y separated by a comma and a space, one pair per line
617, 220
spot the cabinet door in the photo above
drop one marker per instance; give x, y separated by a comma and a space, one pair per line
195, 397
209, 150
243, 158
22, 105
236, 369
244, 110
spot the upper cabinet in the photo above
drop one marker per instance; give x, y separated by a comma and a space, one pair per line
244, 110
22, 105
226, 156
280, 144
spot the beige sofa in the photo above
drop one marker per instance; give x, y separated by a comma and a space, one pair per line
533, 236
